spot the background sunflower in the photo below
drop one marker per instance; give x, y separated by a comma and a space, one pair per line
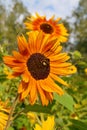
51, 26
4, 111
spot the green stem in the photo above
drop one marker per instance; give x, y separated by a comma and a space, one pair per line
11, 112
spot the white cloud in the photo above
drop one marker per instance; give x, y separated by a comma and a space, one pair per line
61, 8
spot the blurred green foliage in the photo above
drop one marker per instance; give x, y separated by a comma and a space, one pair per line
80, 26
12, 16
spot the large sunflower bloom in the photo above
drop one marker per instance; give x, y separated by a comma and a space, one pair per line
40, 62
4, 111
50, 26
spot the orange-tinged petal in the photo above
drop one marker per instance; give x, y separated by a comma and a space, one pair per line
13, 75
58, 57
63, 71
49, 96
19, 69
39, 41
22, 45
11, 61
50, 86
22, 87
57, 49
56, 78
60, 65
43, 97
25, 92
26, 76
18, 56
59, 61
32, 42
33, 91
45, 41
49, 45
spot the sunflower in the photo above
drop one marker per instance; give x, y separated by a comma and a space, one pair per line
50, 26
46, 124
85, 71
4, 111
32, 117
40, 62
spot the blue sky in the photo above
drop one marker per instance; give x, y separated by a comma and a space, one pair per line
61, 8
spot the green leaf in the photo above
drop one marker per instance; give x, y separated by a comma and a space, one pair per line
79, 124
10, 128
20, 122
2, 77
66, 100
39, 108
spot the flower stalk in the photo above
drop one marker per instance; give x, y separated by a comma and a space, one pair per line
11, 112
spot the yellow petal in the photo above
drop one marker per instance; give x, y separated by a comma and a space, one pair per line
50, 86
22, 45
43, 97
33, 91
56, 78
37, 127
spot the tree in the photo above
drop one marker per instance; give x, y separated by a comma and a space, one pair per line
80, 26
11, 23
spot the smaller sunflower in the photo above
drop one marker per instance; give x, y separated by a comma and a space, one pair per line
4, 111
32, 117
40, 62
50, 26
46, 124
85, 71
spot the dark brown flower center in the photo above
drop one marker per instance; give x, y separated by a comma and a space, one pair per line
39, 66
47, 28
